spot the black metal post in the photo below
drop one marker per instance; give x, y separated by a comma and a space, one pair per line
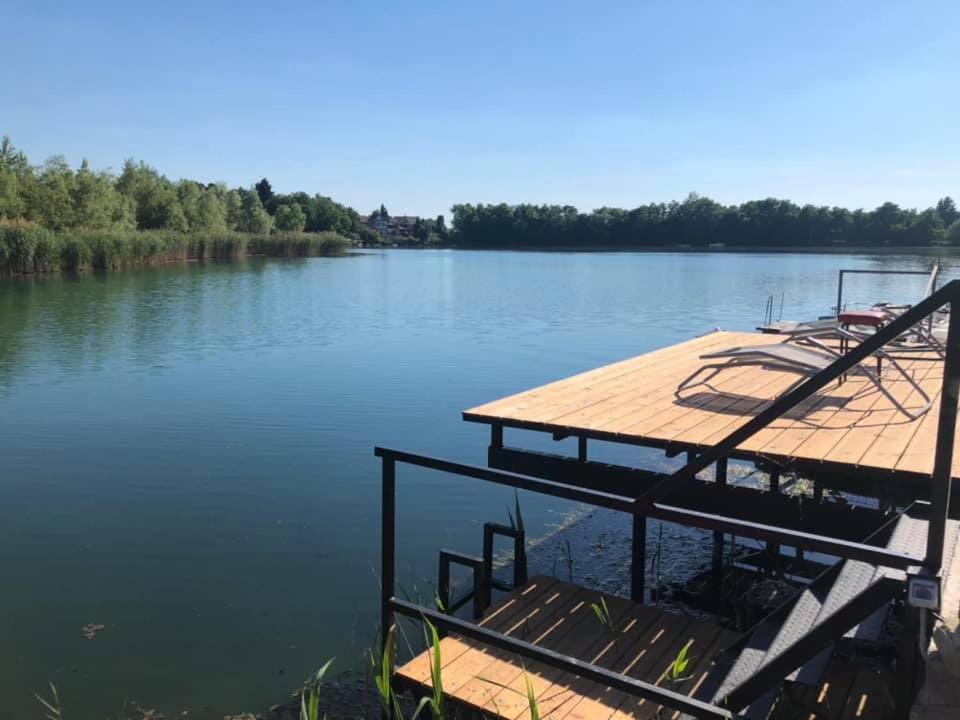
839, 293
582, 449
496, 436
388, 537
773, 549
943, 457
908, 676
638, 558
718, 539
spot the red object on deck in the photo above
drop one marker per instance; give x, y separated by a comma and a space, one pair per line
873, 318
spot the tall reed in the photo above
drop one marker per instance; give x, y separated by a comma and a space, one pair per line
32, 249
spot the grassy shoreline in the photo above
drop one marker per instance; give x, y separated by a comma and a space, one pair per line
35, 250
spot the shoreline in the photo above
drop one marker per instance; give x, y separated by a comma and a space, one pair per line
728, 249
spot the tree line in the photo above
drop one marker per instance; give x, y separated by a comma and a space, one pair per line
57, 197
700, 222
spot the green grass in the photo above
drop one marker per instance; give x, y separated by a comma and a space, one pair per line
27, 250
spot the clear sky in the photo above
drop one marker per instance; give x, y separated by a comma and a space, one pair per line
423, 104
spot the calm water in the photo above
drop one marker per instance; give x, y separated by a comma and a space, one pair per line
187, 450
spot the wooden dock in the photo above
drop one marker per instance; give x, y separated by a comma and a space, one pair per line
850, 426
640, 641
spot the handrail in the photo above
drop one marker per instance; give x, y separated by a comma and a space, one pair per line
788, 401
638, 506
931, 283
946, 429
596, 673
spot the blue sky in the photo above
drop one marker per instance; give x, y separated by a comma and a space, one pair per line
423, 104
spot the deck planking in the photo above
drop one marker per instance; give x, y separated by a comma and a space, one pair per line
635, 401
641, 641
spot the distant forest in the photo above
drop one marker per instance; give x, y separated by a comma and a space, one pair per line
57, 197
700, 222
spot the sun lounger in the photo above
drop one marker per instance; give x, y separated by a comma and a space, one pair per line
806, 362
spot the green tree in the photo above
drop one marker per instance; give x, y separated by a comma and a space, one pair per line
54, 199
96, 202
253, 218
188, 196
10, 158
233, 204
264, 192
211, 213
290, 218
947, 210
11, 204
952, 235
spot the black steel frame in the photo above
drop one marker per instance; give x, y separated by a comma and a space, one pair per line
650, 503
478, 591
933, 273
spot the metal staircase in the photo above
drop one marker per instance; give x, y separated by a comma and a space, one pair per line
794, 643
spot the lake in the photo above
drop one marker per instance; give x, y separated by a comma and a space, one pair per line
188, 449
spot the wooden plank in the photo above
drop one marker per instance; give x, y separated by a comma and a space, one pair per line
869, 696
501, 616
491, 682
556, 690
638, 385
701, 638
634, 400
858, 447
660, 402
710, 425
514, 404
638, 661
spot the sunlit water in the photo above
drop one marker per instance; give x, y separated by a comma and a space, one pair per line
188, 450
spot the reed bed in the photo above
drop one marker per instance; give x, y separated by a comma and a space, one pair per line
28, 250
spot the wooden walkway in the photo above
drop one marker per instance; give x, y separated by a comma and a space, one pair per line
642, 643
635, 401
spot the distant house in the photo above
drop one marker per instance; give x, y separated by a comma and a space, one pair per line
397, 229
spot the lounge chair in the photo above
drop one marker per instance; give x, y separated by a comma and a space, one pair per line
858, 326
805, 361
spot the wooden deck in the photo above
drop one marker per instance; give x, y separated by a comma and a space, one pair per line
643, 643
635, 401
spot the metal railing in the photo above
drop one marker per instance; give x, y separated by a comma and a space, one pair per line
933, 274
652, 504
391, 605
949, 294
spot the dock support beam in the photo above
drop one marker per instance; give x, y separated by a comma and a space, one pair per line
718, 538
773, 549
638, 558
496, 436
582, 449
388, 538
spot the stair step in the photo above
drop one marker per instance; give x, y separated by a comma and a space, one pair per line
870, 630
760, 708
815, 605
749, 659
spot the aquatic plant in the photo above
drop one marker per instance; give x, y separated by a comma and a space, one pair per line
603, 613
434, 701
675, 672
531, 698
310, 697
54, 711
564, 551
28, 249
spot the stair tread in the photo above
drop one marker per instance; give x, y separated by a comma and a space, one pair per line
816, 605
749, 659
